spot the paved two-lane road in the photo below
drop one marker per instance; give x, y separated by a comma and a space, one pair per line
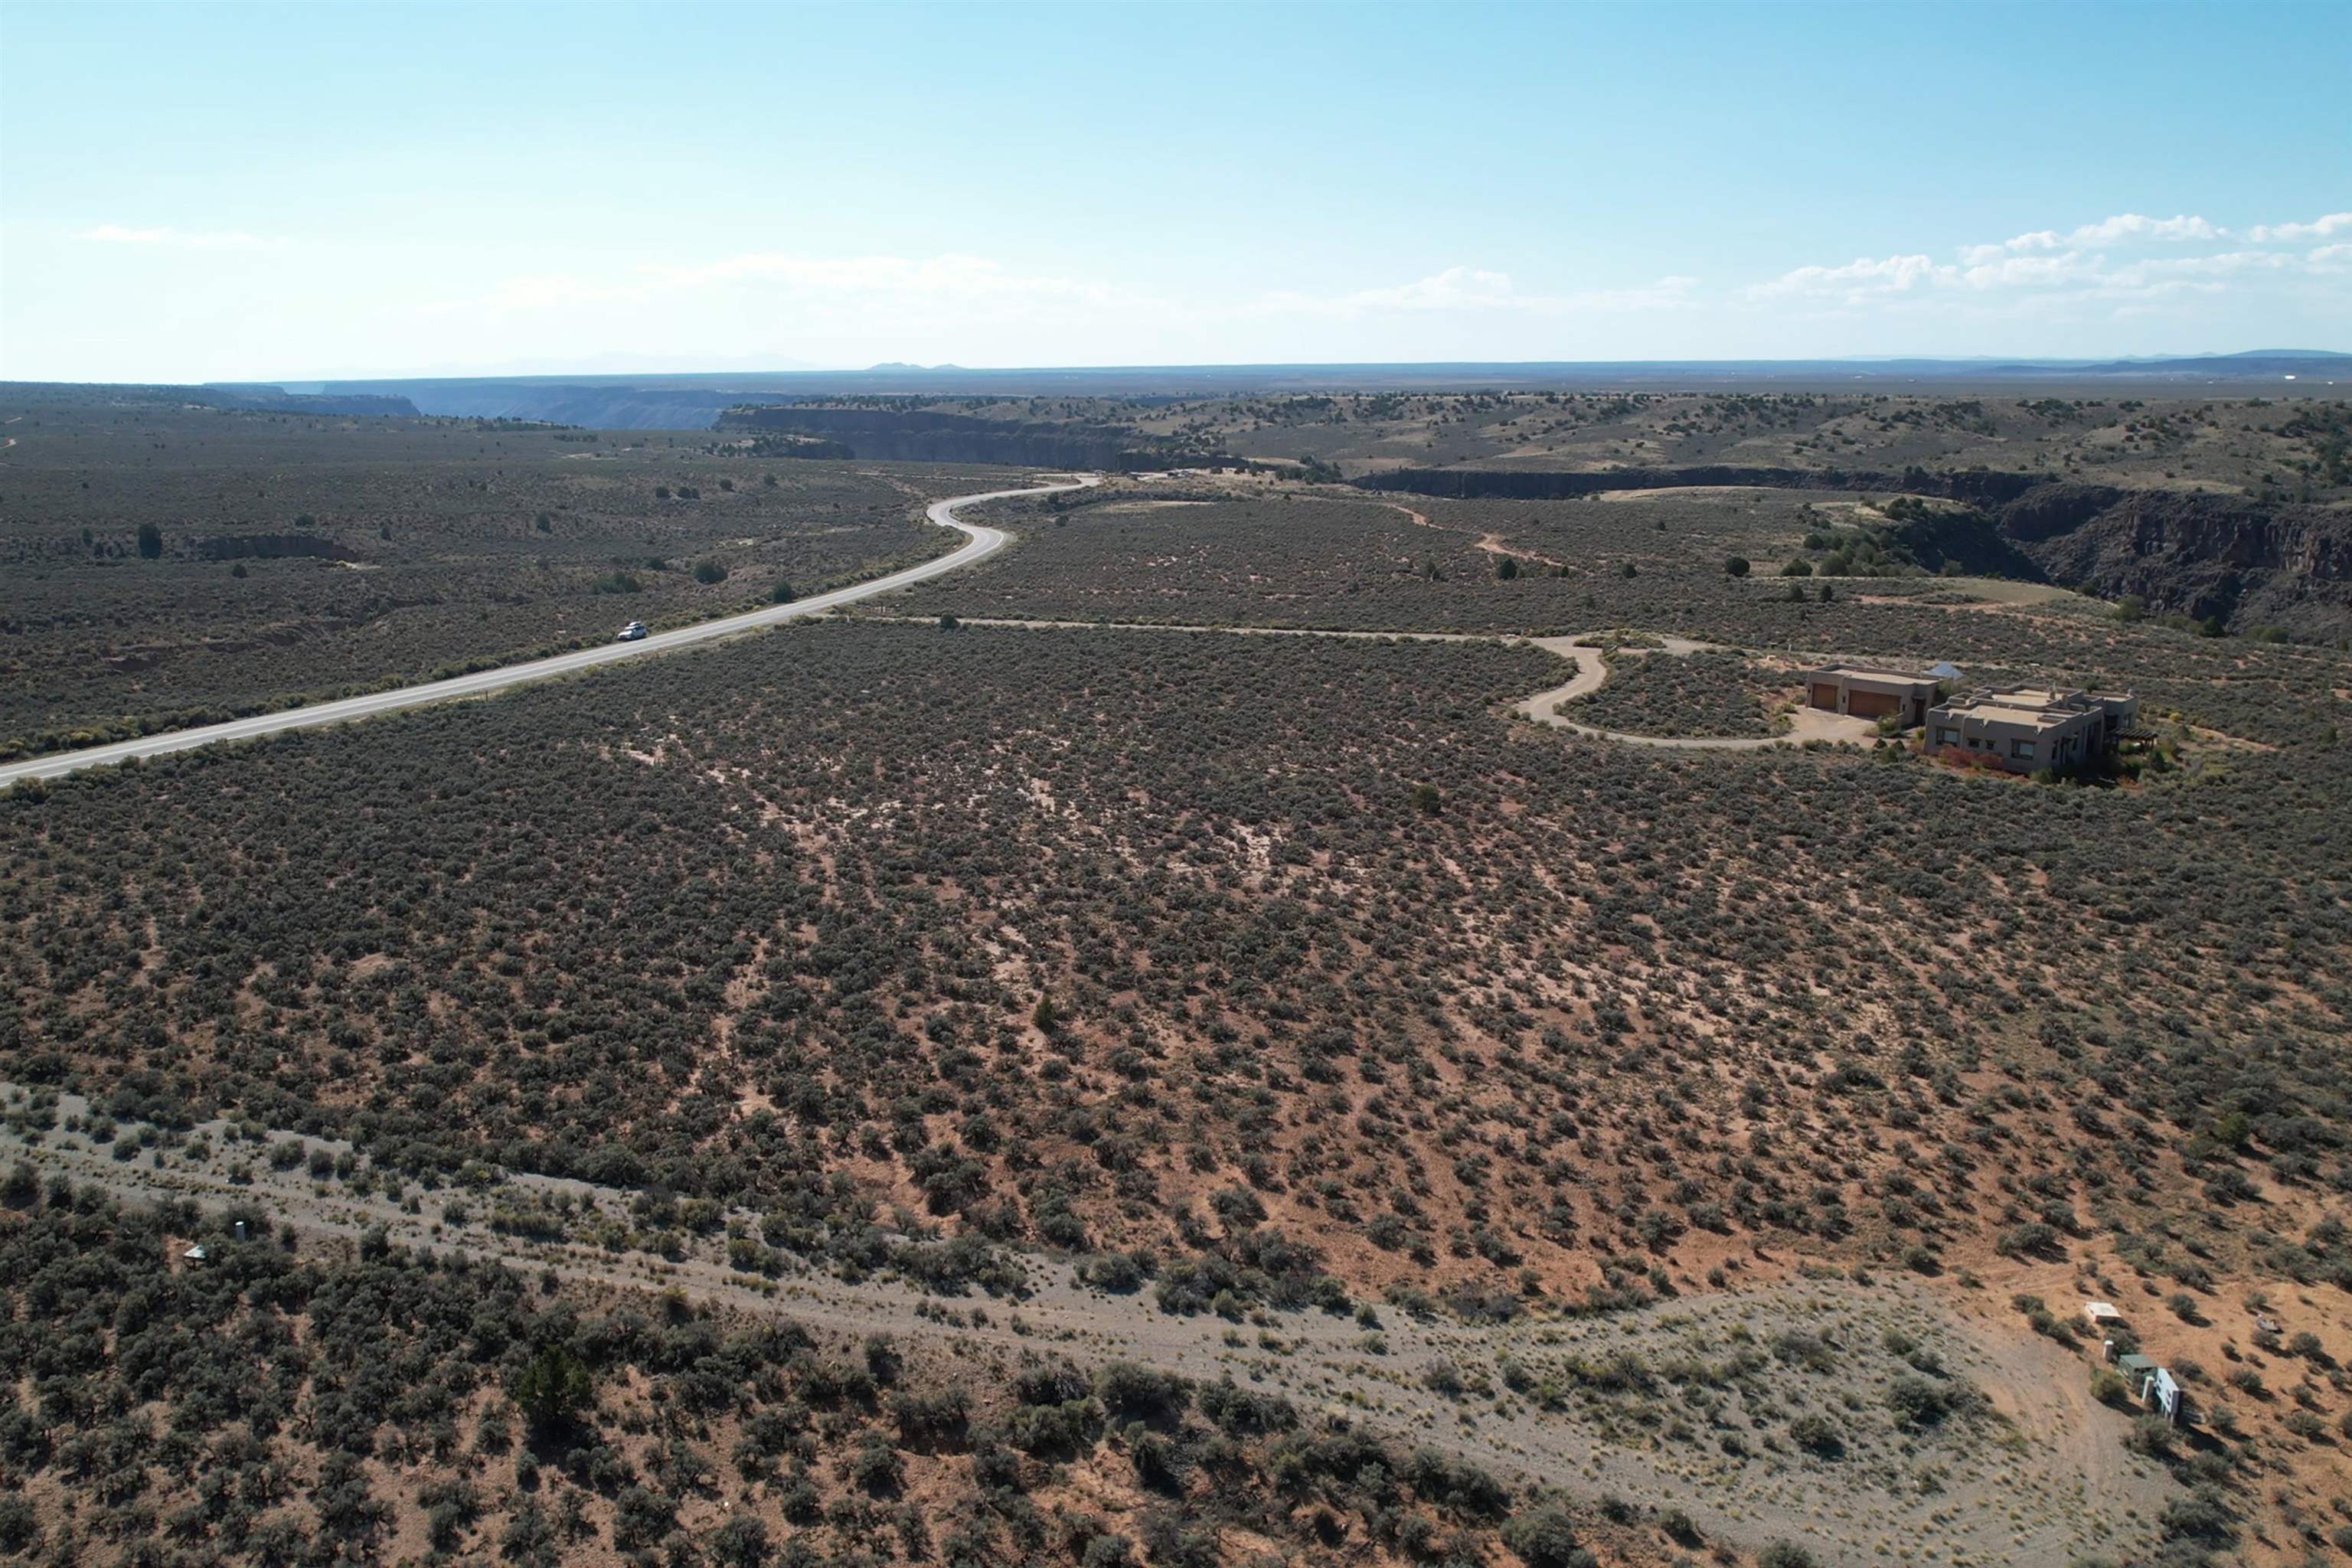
985, 543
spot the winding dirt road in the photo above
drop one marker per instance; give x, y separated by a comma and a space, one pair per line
1582, 650
983, 542
1591, 674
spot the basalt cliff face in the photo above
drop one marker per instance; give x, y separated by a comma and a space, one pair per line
592, 408
2242, 562
2226, 557
1976, 485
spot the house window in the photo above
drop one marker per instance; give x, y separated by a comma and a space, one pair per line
1946, 737
2022, 748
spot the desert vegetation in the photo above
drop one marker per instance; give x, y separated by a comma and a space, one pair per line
169, 565
697, 956
1656, 563
1844, 1410
376, 1403
2267, 449
2219, 511
1299, 560
1704, 693
1244, 983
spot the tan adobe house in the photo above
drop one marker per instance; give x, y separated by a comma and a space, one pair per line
2027, 728
1871, 693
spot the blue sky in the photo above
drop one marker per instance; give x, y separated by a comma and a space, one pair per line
212, 191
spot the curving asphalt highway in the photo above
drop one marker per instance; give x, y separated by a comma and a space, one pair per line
985, 543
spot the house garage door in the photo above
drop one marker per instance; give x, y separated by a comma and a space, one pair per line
1871, 704
1825, 696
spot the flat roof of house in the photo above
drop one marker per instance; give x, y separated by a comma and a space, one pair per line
2033, 699
2032, 718
1907, 677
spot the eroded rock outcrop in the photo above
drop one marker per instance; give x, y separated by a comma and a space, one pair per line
2225, 557
2231, 558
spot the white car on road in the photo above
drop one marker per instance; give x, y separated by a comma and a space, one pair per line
984, 542
634, 632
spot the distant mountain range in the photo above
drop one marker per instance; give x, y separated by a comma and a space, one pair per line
2258, 364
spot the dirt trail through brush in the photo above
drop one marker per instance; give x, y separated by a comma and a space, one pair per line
1491, 544
2049, 1484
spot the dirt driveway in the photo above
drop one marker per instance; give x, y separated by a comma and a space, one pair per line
1582, 650
1591, 674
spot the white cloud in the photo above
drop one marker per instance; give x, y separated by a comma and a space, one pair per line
2318, 229
1456, 289
2132, 227
2220, 264
2191, 274
2092, 263
2030, 272
885, 306
188, 239
2123, 228
1857, 280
